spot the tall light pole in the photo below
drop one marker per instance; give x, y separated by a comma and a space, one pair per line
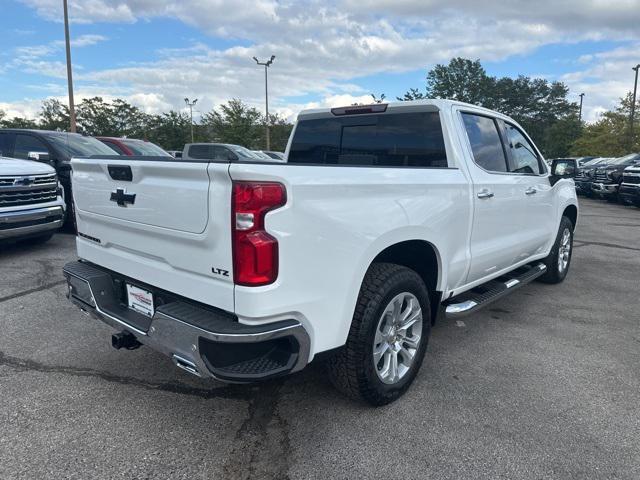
190, 105
72, 107
266, 65
633, 103
580, 114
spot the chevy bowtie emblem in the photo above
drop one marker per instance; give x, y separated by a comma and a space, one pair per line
23, 181
121, 197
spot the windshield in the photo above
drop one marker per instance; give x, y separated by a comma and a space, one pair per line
147, 149
75, 145
261, 154
626, 159
243, 152
275, 155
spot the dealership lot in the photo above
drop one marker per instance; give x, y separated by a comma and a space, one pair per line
542, 384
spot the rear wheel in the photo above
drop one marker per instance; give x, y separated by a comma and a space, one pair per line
559, 258
388, 336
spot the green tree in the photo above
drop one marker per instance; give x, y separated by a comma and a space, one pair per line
18, 122
279, 132
128, 120
237, 123
558, 139
462, 79
169, 130
537, 104
412, 94
54, 115
94, 117
610, 136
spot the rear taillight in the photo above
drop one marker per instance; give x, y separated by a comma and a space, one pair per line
255, 252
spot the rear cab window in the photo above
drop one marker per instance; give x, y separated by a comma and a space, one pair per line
202, 152
411, 139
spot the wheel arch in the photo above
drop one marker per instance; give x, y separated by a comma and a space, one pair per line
423, 258
571, 212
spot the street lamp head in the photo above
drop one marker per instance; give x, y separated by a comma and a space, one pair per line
256, 60
195, 100
636, 67
186, 100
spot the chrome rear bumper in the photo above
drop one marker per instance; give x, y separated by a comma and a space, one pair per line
200, 340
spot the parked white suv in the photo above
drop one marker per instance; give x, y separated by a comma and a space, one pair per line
31, 200
382, 214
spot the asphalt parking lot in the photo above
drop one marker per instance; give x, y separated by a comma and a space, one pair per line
543, 384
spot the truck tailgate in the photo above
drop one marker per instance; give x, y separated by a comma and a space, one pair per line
168, 226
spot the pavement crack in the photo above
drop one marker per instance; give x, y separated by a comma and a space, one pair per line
32, 290
234, 392
263, 447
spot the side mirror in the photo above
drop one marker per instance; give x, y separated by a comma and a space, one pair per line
39, 156
232, 157
564, 168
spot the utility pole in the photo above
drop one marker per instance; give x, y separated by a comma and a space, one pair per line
266, 65
580, 114
72, 107
633, 104
190, 105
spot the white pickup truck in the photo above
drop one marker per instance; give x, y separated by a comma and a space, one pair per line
32, 204
383, 217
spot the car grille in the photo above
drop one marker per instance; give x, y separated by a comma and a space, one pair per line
631, 178
601, 177
28, 190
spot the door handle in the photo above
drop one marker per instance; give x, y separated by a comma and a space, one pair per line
530, 191
484, 193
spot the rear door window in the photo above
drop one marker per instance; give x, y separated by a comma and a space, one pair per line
485, 141
384, 140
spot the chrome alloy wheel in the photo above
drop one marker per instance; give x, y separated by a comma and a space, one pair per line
564, 251
397, 338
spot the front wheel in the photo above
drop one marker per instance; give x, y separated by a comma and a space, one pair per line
388, 336
559, 258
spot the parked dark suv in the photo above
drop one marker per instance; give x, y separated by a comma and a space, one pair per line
607, 179
584, 178
55, 148
630, 186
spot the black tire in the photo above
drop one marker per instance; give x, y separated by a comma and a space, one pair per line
352, 369
554, 273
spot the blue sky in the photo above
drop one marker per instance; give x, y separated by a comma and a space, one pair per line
327, 53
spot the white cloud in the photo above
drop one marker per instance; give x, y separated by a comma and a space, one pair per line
606, 78
323, 47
